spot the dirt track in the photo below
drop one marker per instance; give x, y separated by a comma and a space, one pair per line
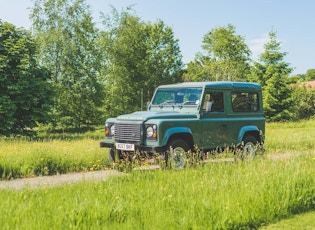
46, 181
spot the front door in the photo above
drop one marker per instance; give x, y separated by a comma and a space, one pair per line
214, 128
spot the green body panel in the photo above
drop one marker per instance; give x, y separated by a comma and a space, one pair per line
193, 123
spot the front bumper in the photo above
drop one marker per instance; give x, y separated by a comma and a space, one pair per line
158, 149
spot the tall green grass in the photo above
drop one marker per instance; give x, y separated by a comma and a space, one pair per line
301, 221
20, 158
290, 137
242, 195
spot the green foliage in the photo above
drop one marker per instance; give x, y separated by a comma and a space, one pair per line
25, 91
96, 73
272, 74
199, 70
304, 101
68, 47
310, 75
270, 62
140, 57
227, 57
296, 79
278, 101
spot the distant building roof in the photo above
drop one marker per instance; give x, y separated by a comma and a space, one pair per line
309, 84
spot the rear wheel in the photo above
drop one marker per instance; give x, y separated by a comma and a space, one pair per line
176, 157
249, 148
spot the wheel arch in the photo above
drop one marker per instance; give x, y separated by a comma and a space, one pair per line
249, 130
182, 133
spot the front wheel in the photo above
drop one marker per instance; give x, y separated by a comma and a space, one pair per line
111, 155
176, 157
114, 156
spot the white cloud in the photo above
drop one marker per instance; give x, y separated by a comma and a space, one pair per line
256, 45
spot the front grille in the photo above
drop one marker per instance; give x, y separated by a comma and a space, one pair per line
128, 132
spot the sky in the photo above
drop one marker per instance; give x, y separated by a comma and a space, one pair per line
292, 20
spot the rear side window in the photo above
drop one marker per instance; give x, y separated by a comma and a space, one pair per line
244, 101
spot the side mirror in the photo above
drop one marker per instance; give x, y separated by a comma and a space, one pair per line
148, 105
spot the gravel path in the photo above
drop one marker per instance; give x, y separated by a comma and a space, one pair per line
44, 181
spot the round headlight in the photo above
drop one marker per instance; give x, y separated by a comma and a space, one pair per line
149, 131
112, 130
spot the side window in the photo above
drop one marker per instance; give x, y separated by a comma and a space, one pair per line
213, 102
244, 101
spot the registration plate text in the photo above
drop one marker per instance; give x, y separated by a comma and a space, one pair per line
125, 147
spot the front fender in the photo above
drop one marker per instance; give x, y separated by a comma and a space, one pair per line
244, 130
174, 130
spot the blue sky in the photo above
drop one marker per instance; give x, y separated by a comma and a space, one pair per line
294, 22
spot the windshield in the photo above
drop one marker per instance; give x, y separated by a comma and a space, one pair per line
177, 96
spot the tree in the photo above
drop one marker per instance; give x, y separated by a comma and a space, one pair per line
272, 73
304, 98
278, 101
140, 57
25, 89
201, 69
295, 79
310, 75
227, 57
68, 47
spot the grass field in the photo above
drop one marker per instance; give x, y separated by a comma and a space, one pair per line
305, 221
19, 158
242, 195
293, 137
245, 195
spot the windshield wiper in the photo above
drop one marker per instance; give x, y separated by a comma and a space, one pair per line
166, 102
187, 103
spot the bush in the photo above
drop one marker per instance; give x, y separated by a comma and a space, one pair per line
304, 99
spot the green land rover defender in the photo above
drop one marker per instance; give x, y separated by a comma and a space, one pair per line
209, 115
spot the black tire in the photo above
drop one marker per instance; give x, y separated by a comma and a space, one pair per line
249, 148
111, 155
176, 157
